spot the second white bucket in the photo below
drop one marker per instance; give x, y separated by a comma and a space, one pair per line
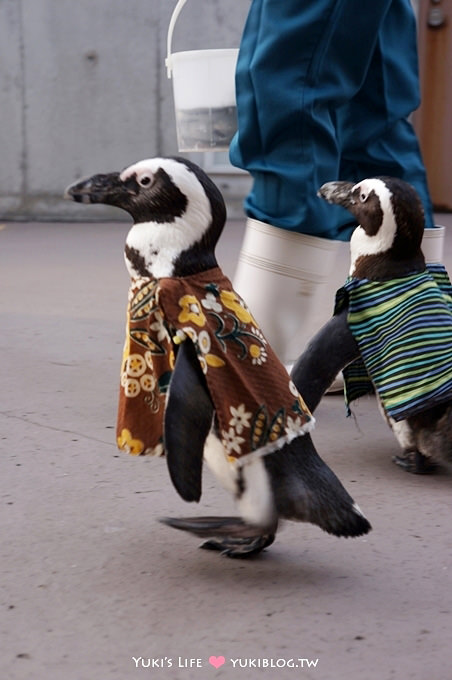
204, 94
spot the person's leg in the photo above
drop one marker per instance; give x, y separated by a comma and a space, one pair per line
375, 134
298, 63
282, 275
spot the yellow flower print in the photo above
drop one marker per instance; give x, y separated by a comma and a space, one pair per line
191, 311
232, 301
214, 361
135, 365
147, 382
128, 444
258, 354
180, 337
131, 387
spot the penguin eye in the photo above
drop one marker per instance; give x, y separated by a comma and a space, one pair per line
144, 180
363, 196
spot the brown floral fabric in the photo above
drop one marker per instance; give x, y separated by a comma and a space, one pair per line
257, 406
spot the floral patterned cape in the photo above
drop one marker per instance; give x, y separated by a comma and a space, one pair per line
258, 408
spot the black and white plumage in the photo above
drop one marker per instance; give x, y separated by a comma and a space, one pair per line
385, 246
178, 217
387, 241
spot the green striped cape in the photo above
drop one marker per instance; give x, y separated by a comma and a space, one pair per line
404, 331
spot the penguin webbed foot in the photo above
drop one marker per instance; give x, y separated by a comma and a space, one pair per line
415, 463
231, 536
239, 547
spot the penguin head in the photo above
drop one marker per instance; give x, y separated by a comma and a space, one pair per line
178, 214
387, 241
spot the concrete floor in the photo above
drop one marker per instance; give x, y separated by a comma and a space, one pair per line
93, 587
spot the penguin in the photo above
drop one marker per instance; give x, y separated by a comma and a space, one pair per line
393, 318
178, 216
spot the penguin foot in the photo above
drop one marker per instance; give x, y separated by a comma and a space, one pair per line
416, 463
230, 535
230, 527
239, 547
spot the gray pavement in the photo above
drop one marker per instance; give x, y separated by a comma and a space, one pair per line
92, 587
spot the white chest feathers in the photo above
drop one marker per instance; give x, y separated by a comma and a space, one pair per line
157, 245
149, 249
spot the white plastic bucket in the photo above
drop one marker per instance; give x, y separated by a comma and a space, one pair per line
204, 94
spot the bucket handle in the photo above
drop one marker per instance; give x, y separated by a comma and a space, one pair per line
175, 14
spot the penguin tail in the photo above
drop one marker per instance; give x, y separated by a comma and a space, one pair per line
307, 490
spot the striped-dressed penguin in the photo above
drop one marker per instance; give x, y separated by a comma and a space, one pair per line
199, 380
392, 323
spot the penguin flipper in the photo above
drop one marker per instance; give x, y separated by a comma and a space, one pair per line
188, 419
329, 351
307, 490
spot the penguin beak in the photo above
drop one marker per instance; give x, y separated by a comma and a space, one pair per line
338, 193
106, 188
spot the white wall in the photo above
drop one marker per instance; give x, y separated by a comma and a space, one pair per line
83, 89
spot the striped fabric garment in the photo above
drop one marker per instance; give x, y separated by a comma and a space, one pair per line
404, 331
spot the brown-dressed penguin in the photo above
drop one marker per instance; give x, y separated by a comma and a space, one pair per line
199, 381
392, 328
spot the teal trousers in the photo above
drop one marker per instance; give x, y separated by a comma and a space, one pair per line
324, 91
